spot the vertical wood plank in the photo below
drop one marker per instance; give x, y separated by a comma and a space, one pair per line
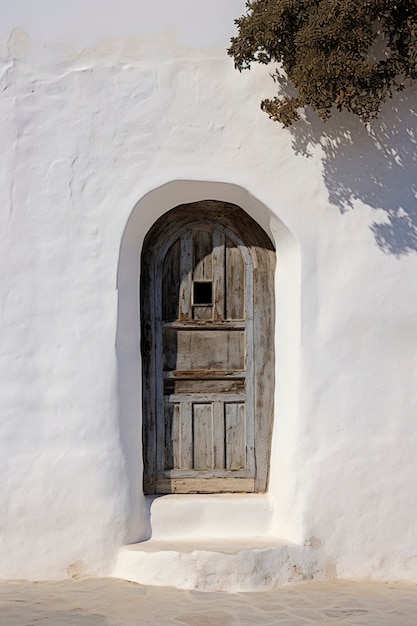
202, 267
202, 254
252, 303
172, 436
206, 349
170, 349
235, 282
186, 452
235, 435
218, 275
171, 282
203, 436
218, 435
185, 276
263, 363
202, 312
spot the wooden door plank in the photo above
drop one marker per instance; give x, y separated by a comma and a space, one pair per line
169, 349
210, 349
198, 386
201, 324
208, 485
207, 374
185, 276
235, 282
207, 473
172, 436
202, 312
253, 378
186, 451
202, 272
218, 274
235, 435
171, 282
202, 254
206, 397
218, 434
203, 453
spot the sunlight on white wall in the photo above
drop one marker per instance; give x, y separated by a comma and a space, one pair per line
202, 24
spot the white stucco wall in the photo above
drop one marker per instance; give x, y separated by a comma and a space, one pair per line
111, 117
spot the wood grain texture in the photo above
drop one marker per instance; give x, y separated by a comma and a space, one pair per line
235, 282
171, 280
203, 449
202, 254
218, 274
205, 349
235, 430
172, 416
185, 277
204, 485
204, 386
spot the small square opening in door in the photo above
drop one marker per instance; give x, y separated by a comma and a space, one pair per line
202, 293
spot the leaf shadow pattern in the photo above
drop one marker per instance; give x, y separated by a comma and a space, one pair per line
374, 164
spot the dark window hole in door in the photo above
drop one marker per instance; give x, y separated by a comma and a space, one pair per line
202, 293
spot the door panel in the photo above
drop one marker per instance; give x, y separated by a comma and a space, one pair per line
172, 448
203, 444
171, 280
203, 350
206, 433
199, 366
198, 386
235, 431
235, 282
202, 255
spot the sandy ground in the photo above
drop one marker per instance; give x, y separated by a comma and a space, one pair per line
109, 602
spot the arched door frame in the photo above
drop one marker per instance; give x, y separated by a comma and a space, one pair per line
260, 254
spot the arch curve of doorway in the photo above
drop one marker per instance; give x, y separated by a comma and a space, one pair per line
145, 213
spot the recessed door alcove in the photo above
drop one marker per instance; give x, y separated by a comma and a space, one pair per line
207, 315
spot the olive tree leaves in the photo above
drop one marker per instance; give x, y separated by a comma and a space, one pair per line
348, 54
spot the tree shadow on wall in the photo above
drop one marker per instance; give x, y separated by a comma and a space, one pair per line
376, 165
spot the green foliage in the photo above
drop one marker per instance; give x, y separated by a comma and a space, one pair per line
352, 54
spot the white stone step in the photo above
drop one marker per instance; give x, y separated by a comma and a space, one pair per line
252, 564
207, 516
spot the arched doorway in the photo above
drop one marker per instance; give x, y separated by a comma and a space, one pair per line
207, 311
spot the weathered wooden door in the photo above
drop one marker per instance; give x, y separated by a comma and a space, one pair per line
200, 340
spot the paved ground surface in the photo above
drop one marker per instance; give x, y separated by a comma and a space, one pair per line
108, 602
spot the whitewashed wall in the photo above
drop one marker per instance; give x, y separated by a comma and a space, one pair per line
111, 115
